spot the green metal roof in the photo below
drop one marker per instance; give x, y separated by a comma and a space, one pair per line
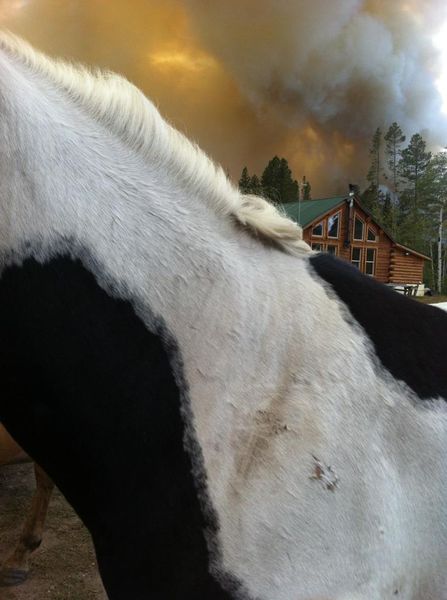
308, 210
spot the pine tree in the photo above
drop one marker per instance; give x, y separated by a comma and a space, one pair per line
277, 181
412, 166
433, 187
375, 153
387, 218
270, 179
372, 196
255, 186
394, 138
288, 187
244, 181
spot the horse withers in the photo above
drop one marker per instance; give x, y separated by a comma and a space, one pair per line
232, 415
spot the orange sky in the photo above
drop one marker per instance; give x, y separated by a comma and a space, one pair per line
235, 88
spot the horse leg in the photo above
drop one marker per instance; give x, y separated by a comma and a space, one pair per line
10, 452
15, 569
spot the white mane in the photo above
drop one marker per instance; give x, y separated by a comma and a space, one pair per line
125, 111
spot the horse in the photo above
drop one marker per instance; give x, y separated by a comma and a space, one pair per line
15, 567
232, 415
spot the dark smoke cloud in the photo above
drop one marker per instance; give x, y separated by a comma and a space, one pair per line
339, 69
306, 79
346, 65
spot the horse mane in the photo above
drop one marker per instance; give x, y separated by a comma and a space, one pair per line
124, 110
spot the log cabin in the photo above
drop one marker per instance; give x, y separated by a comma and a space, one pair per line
343, 227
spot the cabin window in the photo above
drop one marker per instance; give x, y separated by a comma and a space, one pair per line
358, 228
370, 261
372, 236
332, 249
356, 257
317, 247
317, 231
332, 225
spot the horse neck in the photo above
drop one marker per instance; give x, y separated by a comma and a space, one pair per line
71, 185
75, 189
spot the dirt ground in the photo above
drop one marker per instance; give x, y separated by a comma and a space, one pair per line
64, 567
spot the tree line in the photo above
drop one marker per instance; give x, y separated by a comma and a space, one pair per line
276, 183
407, 193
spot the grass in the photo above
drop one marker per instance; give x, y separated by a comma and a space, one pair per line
431, 299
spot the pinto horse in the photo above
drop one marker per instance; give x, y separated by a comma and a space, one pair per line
231, 415
15, 568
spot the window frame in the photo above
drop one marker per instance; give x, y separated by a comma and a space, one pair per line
357, 218
320, 249
338, 215
373, 262
368, 229
322, 230
333, 246
360, 260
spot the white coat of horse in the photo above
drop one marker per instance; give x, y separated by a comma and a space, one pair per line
234, 415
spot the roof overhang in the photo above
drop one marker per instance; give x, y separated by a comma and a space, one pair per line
411, 251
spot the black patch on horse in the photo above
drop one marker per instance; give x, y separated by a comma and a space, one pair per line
410, 338
91, 395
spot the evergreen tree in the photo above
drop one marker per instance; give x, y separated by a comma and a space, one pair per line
388, 217
412, 166
394, 138
277, 181
412, 224
270, 179
255, 186
244, 182
434, 189
372, 196
375, 152
288, 187
368, 199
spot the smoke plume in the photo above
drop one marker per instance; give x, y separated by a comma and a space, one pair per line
348, 66
332, 72
310, 80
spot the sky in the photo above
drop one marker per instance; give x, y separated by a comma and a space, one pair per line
309, 80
